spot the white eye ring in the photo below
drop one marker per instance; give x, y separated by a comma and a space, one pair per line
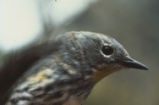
107, 50
106, 56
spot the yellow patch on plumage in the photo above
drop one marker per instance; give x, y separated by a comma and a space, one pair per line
102, 71
40, 76
37, 78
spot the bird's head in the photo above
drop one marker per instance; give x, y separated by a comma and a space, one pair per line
102, 53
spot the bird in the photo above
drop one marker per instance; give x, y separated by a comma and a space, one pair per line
67, 74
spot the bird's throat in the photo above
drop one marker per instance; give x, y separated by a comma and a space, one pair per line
102, 72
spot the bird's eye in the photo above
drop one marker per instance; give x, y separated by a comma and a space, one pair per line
107, 50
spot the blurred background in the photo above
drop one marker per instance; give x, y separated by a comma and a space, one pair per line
134, 23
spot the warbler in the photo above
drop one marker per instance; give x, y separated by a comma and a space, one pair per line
67, 75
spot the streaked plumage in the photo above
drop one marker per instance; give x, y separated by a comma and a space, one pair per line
67, 75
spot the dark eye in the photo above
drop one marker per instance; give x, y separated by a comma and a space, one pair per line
107, 50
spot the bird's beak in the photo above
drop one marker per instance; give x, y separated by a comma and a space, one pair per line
132, 63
